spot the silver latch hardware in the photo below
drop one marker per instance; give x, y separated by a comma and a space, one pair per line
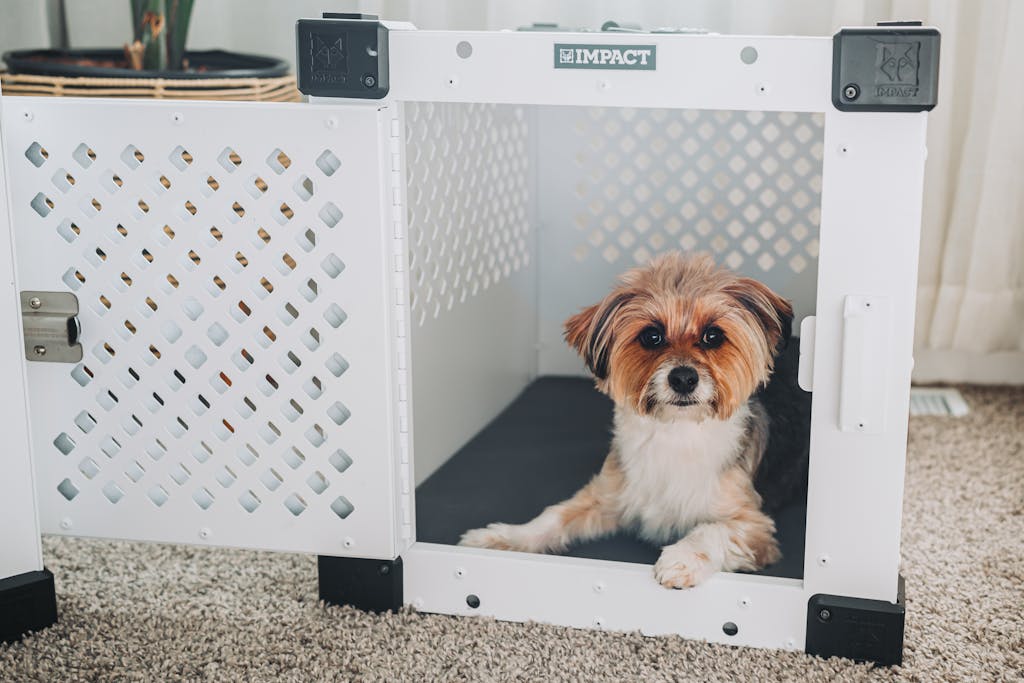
52, 330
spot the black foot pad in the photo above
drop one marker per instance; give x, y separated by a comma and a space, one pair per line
28, 602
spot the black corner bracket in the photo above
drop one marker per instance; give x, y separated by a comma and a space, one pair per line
28, 602
855, 628
369, 585
342, 55
894, 67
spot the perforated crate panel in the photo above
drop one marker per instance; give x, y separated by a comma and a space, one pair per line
234, 286
468, 178
618, 186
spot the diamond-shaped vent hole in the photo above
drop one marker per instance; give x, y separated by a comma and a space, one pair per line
336, 364
330, 214
332, 265
67, 489
84, 155
203, 498
88, 467
295, 504
229, 160
157, 494
278, 161
338, 413
271, 479
317, 482
42, 204
342, 507
37, 154
328, 162
113, 492
249, 501
132, 157
340, 460
64, 443
334, 315
304, 188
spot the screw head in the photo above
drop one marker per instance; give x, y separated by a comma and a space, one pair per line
599, 587
459, 572
825, 614
28, 116
384, 570
177, 117
851, 91
35, 302
348, 543
331, 122
65, 523
205, 533
369, 80
40, 350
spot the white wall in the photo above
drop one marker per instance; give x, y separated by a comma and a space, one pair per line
23, 24
267, 26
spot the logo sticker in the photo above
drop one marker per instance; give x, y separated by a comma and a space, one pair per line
896, 68
328, 62
624, 57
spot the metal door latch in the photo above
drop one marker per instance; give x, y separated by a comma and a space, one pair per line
52, 330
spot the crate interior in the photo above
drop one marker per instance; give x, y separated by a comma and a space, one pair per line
521, 215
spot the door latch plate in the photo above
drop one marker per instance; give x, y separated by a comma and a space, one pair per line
51, 327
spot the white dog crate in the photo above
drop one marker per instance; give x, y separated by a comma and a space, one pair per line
274, 326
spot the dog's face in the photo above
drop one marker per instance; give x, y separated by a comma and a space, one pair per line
682, 338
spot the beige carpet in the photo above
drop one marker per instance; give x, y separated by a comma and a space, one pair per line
149, 612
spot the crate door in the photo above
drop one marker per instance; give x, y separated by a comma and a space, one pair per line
232, 273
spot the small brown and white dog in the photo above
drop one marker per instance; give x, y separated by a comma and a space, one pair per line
680, 346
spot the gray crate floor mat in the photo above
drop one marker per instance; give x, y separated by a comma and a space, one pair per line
538, 451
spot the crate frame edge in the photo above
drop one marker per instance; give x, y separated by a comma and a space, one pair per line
868, 155
426, 66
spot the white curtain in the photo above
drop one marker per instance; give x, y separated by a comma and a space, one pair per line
970, 322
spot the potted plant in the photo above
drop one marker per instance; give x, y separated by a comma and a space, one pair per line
154, 63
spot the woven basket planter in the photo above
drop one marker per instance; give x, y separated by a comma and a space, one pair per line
215, 75
278, 89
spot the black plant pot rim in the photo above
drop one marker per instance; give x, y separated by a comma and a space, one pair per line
217, 64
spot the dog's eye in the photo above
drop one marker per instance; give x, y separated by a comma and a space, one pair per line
712, 338
651, 338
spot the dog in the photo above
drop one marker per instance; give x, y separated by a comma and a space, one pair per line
683, 348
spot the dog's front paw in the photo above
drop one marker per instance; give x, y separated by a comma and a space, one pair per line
495, 536
682, 566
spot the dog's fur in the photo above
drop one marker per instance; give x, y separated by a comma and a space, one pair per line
685, 454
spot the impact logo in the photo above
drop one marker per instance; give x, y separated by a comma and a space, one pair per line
896, 67
327, 56
625, 57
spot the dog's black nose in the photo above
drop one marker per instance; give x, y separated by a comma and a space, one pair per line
683, 379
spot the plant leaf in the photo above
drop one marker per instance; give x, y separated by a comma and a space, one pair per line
179, 14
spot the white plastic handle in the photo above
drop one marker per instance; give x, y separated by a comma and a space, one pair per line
862, 392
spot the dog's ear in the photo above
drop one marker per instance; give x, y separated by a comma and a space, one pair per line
773, 312
590, 332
